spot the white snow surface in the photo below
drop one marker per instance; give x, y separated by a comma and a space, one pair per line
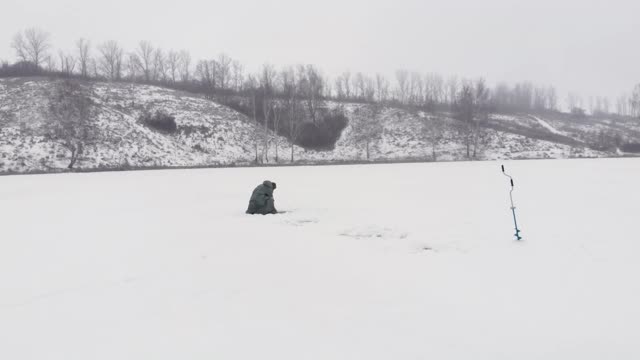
547, 126
404, 261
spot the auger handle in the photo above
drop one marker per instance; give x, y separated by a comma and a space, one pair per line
507, 175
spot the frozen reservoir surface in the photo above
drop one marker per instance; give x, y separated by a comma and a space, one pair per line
404, 261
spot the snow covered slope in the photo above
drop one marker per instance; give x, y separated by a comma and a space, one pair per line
403, 138
208, 134
212, 134
411, 261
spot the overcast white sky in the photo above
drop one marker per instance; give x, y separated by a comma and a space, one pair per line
587, 46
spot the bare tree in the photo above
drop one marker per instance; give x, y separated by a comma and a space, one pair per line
83, 47
346, 83
145, 53
173, 65
540, 98
552, 97
206, 72
67, 63
524, 96
256, 135
310, 86
110, 63
465, 111
71, 111
635, 101
185, 66
574, 102
32, 45
472, 109
502, 96
370, 89
434, 84
606, 104
295, 122
481, 115
267, 78
277, 111
327, 88
622, 105
224, 70
292, 109
50, 63
132, 67
433, 131
415, 93
340, 94
452, 89
597, 105
571, 101
94, 68
382, 88
238, 75
359, 84
159, 69
367, 126
402, 90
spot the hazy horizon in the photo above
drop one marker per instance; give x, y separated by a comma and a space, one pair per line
577, 46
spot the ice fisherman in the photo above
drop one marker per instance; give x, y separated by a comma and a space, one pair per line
262, 201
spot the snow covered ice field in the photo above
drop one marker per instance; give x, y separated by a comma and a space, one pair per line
405, 261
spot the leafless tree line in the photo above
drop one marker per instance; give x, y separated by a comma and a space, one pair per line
282, 101
629, 105
524, 96
147, 63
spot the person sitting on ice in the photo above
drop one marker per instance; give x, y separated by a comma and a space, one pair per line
262, 201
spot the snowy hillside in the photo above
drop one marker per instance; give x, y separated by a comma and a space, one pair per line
210, 134
404, 261
402, 138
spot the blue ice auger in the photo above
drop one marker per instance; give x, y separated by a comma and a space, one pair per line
513, 208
